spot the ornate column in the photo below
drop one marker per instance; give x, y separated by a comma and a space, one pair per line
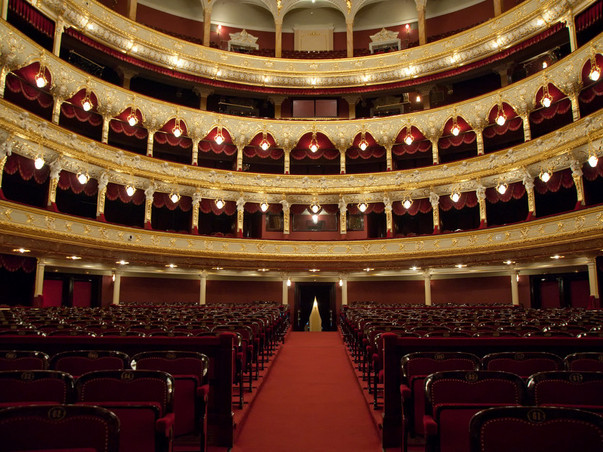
39, 283
150, 140
343, 215
352, 101
578, 182
344, 291
434, 199
105, 133
203, 94
195, 207
286, 216
103, 181
389, 219
55, 172
514, 287
349, 28
497, 8
56, 109
240, 215
421, 21
435, 152
278, 102
287, 155
148, 206
3, 73
480, 140
573, 95
59, 27
481, 198
571, 28
5, 152
285, 292
132, 6
593, 282
527, 132
195, 151
528, 182
207, 24
278, 37
427, 281
389, 161
341, 159
116, 287
240, 148
203, 288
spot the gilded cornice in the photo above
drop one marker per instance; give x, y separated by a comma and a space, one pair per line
111, 29
580, 228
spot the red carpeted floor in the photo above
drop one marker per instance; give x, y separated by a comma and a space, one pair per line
310, 402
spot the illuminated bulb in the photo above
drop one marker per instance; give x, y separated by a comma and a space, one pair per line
407, 203
122, 262
219, 138
219, 203
407, 27
545, 176
39, 162
130, 190
455, 197
264, 206
87, 103
83, 178
502, 188
177, 131
408, 139
340, 282
314, 147
315, 218
594, 74
41, 81
363, 145
500, 119
592, 160
171, 266
315, 208
132, 119
546, 101
288, 282
414, 268
264, 145
418, 99
455, 130
174, 197
544, 65
362, 207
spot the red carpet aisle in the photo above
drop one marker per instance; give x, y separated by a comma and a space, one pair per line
311, 402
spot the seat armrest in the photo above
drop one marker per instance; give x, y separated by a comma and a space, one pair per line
165, 425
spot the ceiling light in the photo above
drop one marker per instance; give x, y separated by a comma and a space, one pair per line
21, 250
39, 162
83, 178
87, 102
502, 188
545, 176
314, 143
130, 190
557, 256
264, 144
595, 73
40, 77
363, 145
174, 197
407, 202
220, 203
177, 130
74, 258
501, 118
171, 266
122, 262
219, 138
408, 139
264, 206
455, 196
132, 119
362, 206
455, 130
547, 99
593, 160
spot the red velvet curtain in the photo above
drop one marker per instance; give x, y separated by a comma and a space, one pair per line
467, 199
414, 147
300, 154
211, 146
418, 206
377, 207
209, 206
70, 111
170, 139
116, 191
558, 108
559, 179
123, 127
26, 169
591, 173
494, 129
163, 200
589, 17
515, 190
21, 86
15, 263
464, 138
32, 16
68, 181
271, 153
357, 153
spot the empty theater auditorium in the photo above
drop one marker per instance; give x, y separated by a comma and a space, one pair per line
301, 226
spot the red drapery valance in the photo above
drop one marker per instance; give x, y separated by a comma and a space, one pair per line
21, 86
209, 206
467, 199
163, 200
68, 181
15, 263
512, 125
171, 140
26, 169
71, 111
123, 127
253, 207
34, 17
559, 179
116, 191
591, 173
368, 153
300, 154
414, 147
377, 207
515, 190
559, 108
418, 206
465, 138
271, 153
211, 146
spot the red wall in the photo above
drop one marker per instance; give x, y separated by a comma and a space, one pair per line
265, 38
82, 293
580, 293
388, 292
158, 290
460, 19
52, 292
362, 38
224, 291
106, 291
175, 24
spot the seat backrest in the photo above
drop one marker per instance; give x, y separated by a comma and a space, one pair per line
523, 364
17, 386
127, 386
23, 360
59, 427
473, 387
584, 361
175, 362
566, 388
425, 363
78, 362
535, 429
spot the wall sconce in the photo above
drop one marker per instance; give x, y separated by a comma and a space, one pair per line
130, 190
87, 102
455, 129
407, 202
314, 143
455, 196
132, 118
593, 159
219, 138
40, 77
220, 203
501, 118
39, 162
595, 71
408, 139
264, 206
177, 130
363, 143
83, 178
174, 197
502, 188
315, 207
545, 175
264, 144
547, 99
362, 206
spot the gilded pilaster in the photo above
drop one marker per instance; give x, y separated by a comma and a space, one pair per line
434, 199
343, 209
578, 182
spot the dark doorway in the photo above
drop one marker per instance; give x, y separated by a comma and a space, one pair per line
304, 300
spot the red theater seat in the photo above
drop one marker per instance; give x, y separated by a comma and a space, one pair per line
35, 386
523, 364
571, 389
585, 361
23, 360
78, 362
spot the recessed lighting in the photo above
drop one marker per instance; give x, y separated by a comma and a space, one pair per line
171, 265
74, 258
414, 268
21, 250
314, 270
508, 262
460, 265
263, 269
217, 268
122, 262
368, 269
557, 256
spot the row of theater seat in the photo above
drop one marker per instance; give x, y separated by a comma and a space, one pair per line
165, 389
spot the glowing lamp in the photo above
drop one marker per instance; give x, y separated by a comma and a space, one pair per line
546, 101
408, 139
39, 162
130, 190
220, 203
593, 160
264, 206
174, 197
132, 119
264, 144
87, 102
455, 196
502, 188
219, 138
315, 218
315, 208
455, 130
177, 130
40, 78
545, 176
83, 178
594, 73
314, 143
407, 203
362, 206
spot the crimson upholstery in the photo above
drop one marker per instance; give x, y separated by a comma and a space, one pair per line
141, 399
588, 361
582, 390
23, 360
78, 362
62, 428
453, 397
523, 364
35, 386
536, 429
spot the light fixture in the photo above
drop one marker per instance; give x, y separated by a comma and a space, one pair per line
122, 262
547, 99
340, 282
414, 268
363, 143
177, 130
407, 202
557, 256
263, 269
130, 190
83, 178
39, 162
362, 206
314, 143
87, 102
314, 270
220, 203
174, 197
315, 218
544, 65
264, 206
288, 282
593, 160
595, 71
218, 268
502, 188
368, 269
40, 77
219, 28
74, 258
407, 27
219, 138
408, 139
508, 262
455, 128
455, 196
21, 250
545, 176
501, 118
132, 118
315, 207
264, 144
113, 276
171, 265
418, 99
460, 265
